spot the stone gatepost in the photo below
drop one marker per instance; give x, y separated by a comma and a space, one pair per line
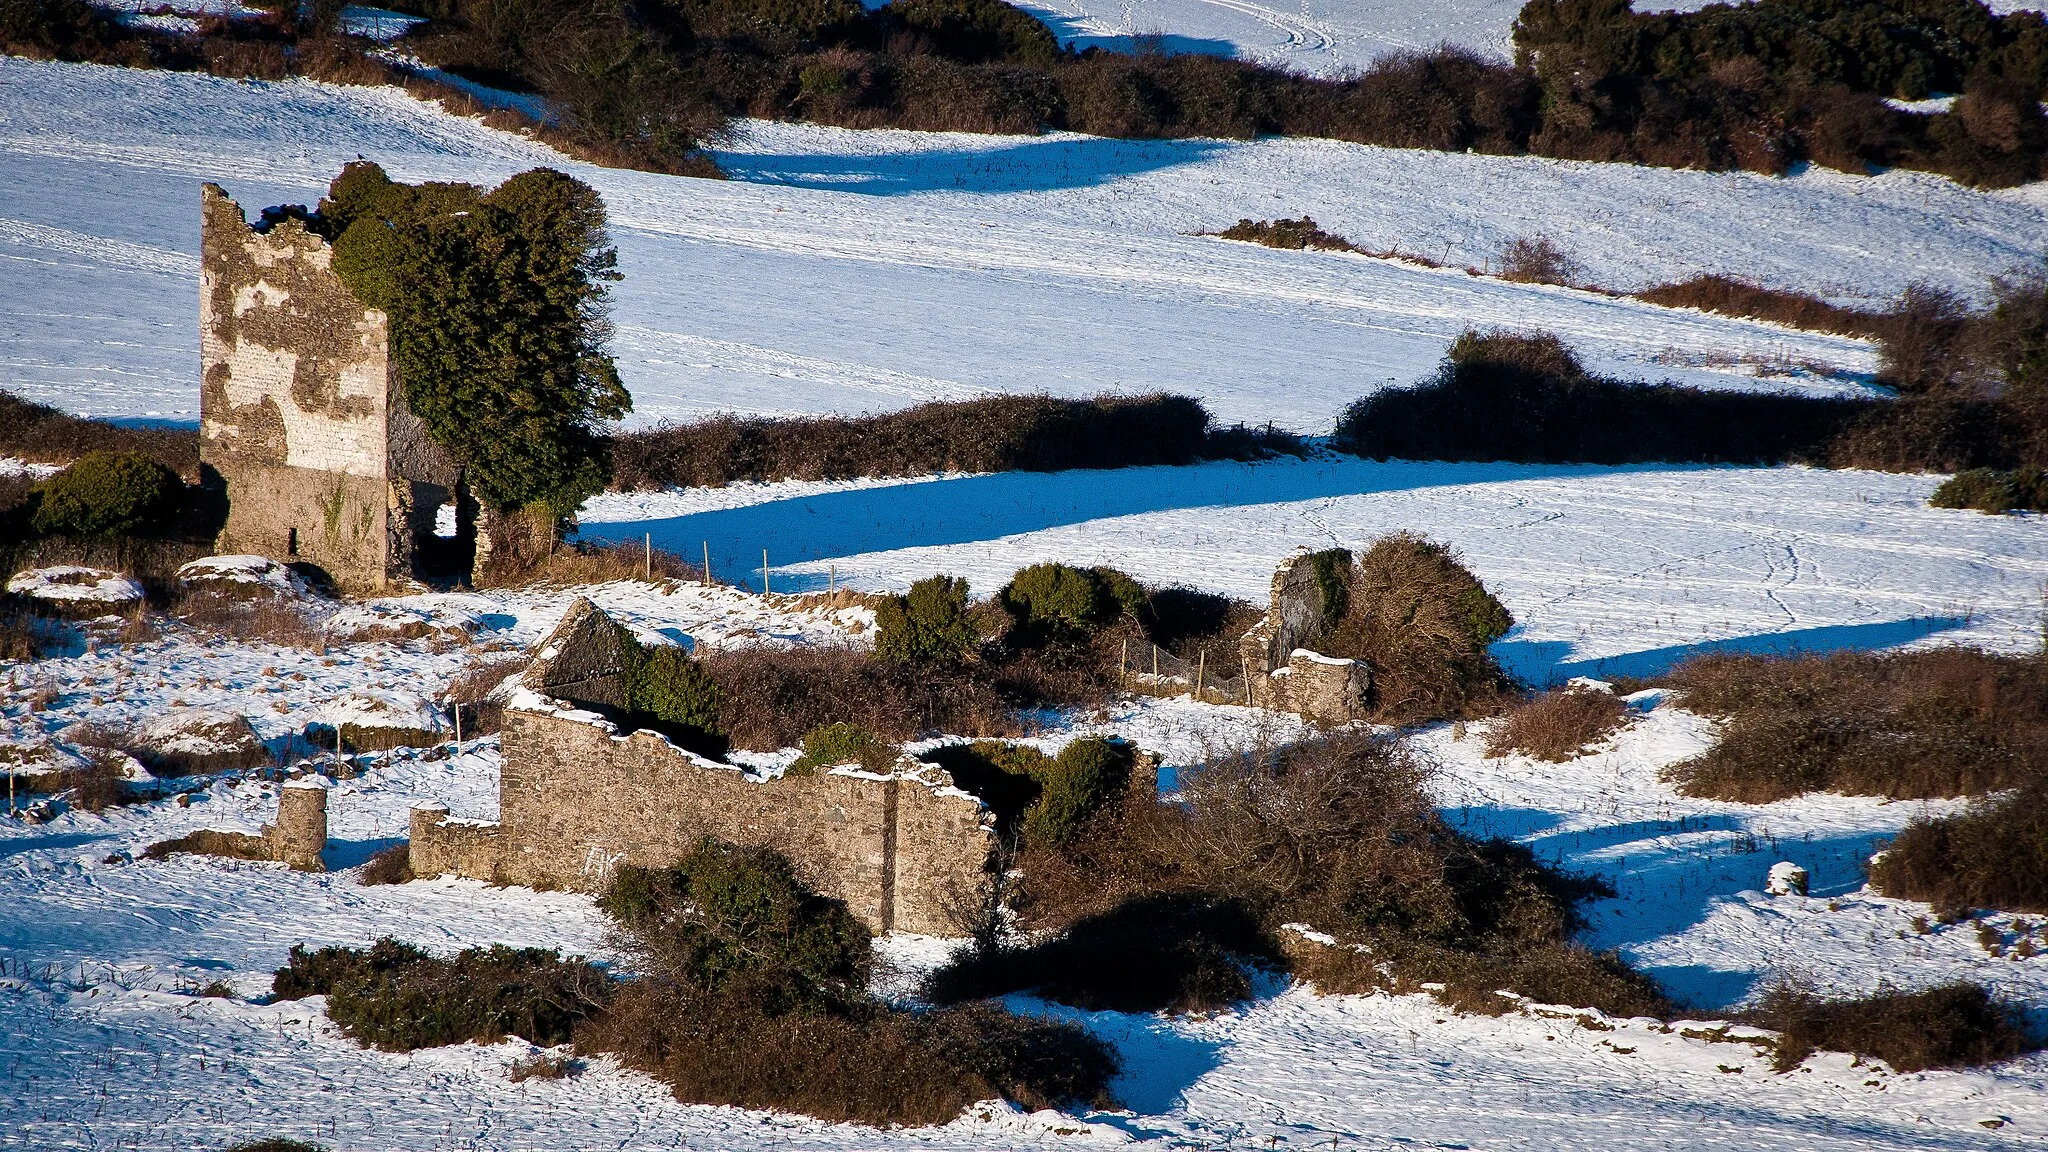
300, 834
426, 850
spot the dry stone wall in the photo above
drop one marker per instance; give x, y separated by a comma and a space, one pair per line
1282, 672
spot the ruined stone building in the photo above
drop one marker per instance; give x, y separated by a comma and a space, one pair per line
304, 418
1282, 672
906, 850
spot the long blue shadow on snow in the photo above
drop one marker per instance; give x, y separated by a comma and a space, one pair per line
1669, 874
1032, 166
1541, 661
853, 522
1160, 1063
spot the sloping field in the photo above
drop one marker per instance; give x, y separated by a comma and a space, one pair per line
856, 272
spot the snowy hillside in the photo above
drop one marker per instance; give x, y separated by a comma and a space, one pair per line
853, 272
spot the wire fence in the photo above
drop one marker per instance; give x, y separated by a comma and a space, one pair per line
1212, 677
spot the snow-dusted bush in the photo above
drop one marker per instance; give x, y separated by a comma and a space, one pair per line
1559, 725
108, 494
242, 577
75, 590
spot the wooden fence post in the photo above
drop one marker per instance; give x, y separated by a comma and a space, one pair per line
764, 572
1201, 667
707, 563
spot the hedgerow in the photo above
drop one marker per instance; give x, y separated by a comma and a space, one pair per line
1993, 854
1954, 1025
396, 997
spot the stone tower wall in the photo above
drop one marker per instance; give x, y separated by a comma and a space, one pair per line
301, 413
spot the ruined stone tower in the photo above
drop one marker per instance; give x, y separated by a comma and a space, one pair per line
303, 415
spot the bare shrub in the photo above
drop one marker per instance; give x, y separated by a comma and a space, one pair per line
1731, 296
1423, 622
42, 434
470, 691
1297, 234
1941, 722
1919, 347
391, 865
1538, 260
262, 620
770, 699
543, 1066
207, 842
1558, 726
1952, 1026
1337, 833
580, 564
99, 783
1993, 854
27, 635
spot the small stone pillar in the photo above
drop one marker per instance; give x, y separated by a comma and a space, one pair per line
300, 834
425, 849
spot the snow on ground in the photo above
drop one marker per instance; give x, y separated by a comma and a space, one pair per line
850, 272
1608, 570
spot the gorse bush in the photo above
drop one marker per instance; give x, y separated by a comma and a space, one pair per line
844, 744
976, 31
108, 494
1940, 722
674, 693
1049, 799
1057, 602
395, 997
1993, 854
1991, 490
727, 916
1523, 396
754, 993
929, 625
1955, 1025
496, 302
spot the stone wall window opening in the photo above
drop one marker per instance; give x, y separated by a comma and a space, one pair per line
291, 542
445, 521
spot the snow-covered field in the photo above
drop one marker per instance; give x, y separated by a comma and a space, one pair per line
847, 271
844, 271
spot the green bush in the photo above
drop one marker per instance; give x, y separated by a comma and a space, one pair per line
1086, 777
836, 744
1993, 491
396, 997
927, 626
678, 696
108, 494
1056, 602
978, 31
731, 919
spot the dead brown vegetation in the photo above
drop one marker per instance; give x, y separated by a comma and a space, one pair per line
264, 620
1993, 854
1153, 903
1731, 296
41, 434
1941, 722
391, 865
207, 842
470, 691
1954, 1025
1413, 612
770, 699
1558, 726
568, 565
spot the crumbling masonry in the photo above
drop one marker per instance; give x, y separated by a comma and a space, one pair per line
1282, 672
302, 414
906, 850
